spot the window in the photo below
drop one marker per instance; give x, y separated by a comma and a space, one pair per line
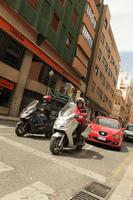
107, 85
108, 50
55, 22
105, 23
93, 85
110, 73
69, 40
99, 54
62, 2
87, 36
105, 64
108, 122
105, 99
99, 93
90, 15
102, 39
110, 104
96, 70
102, 78
112, 61
33, 3
12, 52
6, 88
74, 16
112, 92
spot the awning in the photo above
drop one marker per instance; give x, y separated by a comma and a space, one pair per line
6, 84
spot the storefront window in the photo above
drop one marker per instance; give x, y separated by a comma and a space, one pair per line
12, 52
6, 89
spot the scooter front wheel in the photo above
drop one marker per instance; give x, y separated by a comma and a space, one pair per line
54, 145
20, 129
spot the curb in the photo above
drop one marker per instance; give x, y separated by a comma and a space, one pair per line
9, 118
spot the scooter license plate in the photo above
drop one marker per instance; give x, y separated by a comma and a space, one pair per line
101, 138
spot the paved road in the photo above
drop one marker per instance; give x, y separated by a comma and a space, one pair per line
28, 171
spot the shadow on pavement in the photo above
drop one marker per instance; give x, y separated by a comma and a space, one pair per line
124, 148
36, 137
83, 154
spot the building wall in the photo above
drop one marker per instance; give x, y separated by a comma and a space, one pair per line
57, 21
119, 108
102, 80
23, 24
85, 40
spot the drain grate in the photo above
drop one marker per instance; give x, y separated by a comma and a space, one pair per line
83, 196
98, 189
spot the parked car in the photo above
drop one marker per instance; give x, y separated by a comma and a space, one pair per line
128, 132
106, 130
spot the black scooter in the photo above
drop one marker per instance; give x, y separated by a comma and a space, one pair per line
28, 122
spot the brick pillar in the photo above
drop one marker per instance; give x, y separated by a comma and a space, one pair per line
20, 85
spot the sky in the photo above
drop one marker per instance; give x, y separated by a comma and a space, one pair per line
122, 26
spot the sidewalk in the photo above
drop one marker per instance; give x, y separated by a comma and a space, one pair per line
9, 118
124, 190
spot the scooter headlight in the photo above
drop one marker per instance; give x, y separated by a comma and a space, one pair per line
65, 123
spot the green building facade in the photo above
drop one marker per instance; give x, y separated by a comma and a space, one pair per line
57, 21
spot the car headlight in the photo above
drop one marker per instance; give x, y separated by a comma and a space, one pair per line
117, 136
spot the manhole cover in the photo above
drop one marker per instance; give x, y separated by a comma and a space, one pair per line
98, 189
83, 196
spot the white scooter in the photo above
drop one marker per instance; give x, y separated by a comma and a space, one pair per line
64, 130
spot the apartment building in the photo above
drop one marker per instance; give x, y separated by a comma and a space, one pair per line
118, 110
104, 68
44, 44
85, 41
125, 84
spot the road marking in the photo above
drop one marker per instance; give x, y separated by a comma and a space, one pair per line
36, 191
122, 165
5, 134
6, 126
4, 167
58, 161
125, 187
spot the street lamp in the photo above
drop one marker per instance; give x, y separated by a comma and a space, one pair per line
51, 74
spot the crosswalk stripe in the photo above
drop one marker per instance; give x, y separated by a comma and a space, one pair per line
36, 191
58, 161
4, 167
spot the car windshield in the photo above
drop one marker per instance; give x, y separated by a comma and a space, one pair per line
130, 127
111, 123
68, 109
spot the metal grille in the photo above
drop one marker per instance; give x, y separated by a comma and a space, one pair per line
83, 196
98, 189
106, 141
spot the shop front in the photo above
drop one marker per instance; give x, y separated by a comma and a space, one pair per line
6, 92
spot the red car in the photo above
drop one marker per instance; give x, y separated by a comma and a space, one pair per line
107, 131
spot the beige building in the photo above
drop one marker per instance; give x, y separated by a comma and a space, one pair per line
125, 84
119, 106
105, 67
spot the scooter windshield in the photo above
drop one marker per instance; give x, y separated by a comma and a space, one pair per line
68, 109
31, 106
